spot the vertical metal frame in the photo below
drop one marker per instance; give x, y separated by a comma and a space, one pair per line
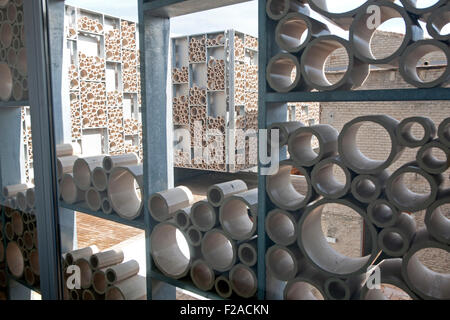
36, 15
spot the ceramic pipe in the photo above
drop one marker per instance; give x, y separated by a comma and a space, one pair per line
382, 213
318, 251
17, 223
361, 32
290, 192
414, 53
125, 191
284, 263
106, 206
248, 252
405, 136
93, 199
109, 162
17, 90
279, 73
106, 258
72, 256
31, 199
202, 275
403, 198
285, 129
368, 188
82, 170
182, 218
308, 285
436, 21
324, 180
28, 240
223, 286
65, 165
99, 283
68, 149
218, 250
194, 236
13, 190
204, 216
444, 132
343, 289
438, 225
424, 282
22, 202
217, 193
134, 288
277, 9
300, 144
91, 295
352, 156
238, 215
281, 227
168, 250
162, 205
85, 272
30, 278
14, 260
9, 231
70, 193
289, 33
11, 203
395, 240
429, 162
122, 271
314, 60
391, 273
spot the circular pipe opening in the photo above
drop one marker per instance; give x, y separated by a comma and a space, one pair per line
437, 219
243, 281
114, 293
415, 131
6, 35
247, 254
203, 216
337, 289
236, 219
223, 287
82, 174
281, 227
317, 249
182, 219
125, 193
283, 72
202, 275
68, 189
331, 179
17, 223
382, 213
93, 199
14, 259
218, 250
99, 179
85, 273
434, 157
290, 192
281, 263
194, 236
409, 63
170, 250
99, 282
302, 289
293, 32
438, 23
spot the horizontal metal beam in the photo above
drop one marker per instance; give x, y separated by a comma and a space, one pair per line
175, 8
14, 104
362, 95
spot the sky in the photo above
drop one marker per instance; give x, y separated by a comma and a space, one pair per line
241, 17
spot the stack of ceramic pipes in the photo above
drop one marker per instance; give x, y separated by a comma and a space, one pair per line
128, 35
93, 104
130, 80
113, 43
75, 115
219, 231
104, 276
91, 68
20, 197
131, 126
21, 252
71, 32
114, 98
180, 75
218, 40
197, 50
385, 202
216, 74
115, 129
251, 42
90, 25
106, 183
180, 110
251, 101
13, 55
